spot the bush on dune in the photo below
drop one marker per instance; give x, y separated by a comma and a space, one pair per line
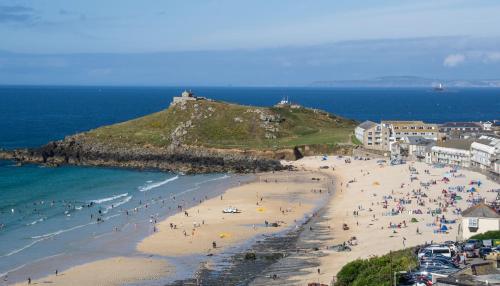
376, 271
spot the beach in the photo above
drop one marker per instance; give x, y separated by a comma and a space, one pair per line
282, 199
112, 271
383, 207
363, 187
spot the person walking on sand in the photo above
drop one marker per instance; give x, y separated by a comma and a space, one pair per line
29, 280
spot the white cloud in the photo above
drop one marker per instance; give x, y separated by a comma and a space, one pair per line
453, 60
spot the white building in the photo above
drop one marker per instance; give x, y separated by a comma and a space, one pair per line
496, 166
400, 129
413, 148
185, 96
478, 219
484, 152
452, 152
359, 131
487, 125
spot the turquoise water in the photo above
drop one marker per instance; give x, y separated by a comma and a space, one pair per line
55, 217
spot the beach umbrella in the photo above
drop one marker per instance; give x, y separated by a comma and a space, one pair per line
224, 235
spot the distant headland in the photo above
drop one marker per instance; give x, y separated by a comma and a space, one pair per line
200, 135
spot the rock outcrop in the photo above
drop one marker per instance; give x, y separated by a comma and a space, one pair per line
75, 150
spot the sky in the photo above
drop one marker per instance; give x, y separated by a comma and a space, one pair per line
253, 42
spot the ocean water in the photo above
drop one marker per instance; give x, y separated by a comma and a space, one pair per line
31, 116
48, 216
77, 214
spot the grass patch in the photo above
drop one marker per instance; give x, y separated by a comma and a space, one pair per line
225, 125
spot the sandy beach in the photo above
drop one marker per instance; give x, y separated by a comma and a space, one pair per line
109, 272
282, 198
371, 185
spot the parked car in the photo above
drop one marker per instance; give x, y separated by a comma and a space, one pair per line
437, 264
472, 244
484, 251
440, 258
434, 250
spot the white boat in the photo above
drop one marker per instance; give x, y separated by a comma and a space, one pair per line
439, 87
231, 210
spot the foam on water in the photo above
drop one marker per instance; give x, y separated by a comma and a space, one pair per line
112, 206
100, 201
151, 186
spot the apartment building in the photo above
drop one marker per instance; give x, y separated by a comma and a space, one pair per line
400, 129
452, 152
484, 152
373, 136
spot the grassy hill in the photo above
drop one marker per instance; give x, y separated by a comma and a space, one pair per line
224, 125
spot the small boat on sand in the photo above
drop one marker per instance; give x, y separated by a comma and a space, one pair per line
231, 210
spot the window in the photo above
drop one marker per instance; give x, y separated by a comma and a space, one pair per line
473, 222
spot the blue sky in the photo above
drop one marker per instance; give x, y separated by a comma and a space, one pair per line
236, 42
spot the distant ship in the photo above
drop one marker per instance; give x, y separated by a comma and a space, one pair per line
439, 87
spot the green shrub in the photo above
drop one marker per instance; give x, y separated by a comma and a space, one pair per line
376, 271
492, 234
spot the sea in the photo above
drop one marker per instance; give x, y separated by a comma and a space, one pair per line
49, 216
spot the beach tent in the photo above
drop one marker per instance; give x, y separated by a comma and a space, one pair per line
444, 228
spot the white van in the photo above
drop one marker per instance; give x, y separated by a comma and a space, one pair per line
435, 250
